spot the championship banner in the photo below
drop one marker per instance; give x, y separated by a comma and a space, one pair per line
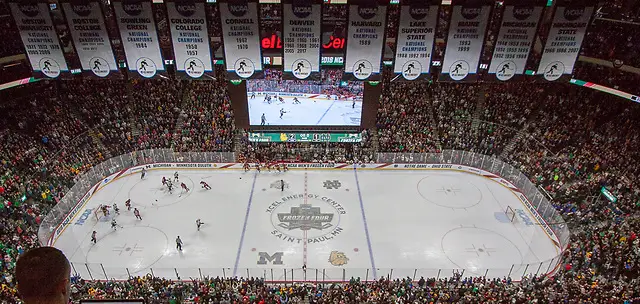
565, 38
515, 38
39, 38
469, 19
414, 42
301, 25
365, 39
241, 37
90, 37
139, 36
190, 37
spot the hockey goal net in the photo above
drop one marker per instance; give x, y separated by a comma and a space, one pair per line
98, 214
511, 214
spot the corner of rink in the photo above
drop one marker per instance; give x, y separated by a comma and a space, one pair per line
336, 220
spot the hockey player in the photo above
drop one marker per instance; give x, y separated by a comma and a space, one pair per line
114, 224
258, 167
184, 187
178, 243
137, 213
281, 185
263, 120
205, 185
116, 209
268, 165
105, 210
253, 95
284, 167
128, 204
296, 101
175, 176
281, 100
144, 173
246, 167
94, 239
278, 167
282, 111
199, 223
353, 104
170, 186
164, 181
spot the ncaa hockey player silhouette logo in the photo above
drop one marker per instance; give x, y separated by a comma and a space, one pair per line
411, 70
99, 66
244, 67
146, 67
459, 70
194, 67
301, 68
506, 70
49, 67
554, 71
362, 69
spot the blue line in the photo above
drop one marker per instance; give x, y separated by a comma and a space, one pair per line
325, 112
366, 227
244, 227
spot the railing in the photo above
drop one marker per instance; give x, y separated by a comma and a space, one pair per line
60, 215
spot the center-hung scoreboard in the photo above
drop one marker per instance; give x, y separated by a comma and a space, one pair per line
414, 40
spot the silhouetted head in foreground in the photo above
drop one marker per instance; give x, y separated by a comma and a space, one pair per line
43, 276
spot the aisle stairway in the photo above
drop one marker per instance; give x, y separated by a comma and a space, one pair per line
475, 118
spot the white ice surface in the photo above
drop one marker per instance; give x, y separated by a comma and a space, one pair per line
404, 222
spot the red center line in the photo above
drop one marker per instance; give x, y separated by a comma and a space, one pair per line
304, 232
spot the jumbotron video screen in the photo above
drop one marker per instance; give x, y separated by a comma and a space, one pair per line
327, 102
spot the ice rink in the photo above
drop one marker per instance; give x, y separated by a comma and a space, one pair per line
339, 222
313, 111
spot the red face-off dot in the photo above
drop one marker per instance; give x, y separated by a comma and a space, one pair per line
253, 249
356, 249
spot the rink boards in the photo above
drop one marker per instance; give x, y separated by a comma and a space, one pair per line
318, 174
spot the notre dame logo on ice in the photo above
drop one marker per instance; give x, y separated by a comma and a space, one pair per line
337, 258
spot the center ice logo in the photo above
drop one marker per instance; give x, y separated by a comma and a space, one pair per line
312, 217
459, 70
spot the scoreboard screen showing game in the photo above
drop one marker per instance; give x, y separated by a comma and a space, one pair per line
329, 102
